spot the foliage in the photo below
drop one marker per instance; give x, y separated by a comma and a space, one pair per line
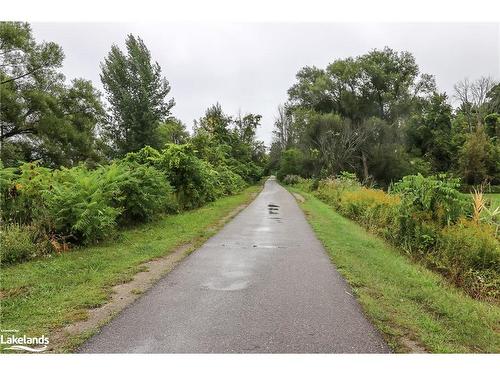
376, 115
79, 205
427, 205
400, 296
221, 139
18, 244
470, 255
193, 179
229, 181
22, 192
479, 158
372, 208
427, 218
291, 163
436, 195
142, 191
137, 93
172, 131
41, 117
292, 179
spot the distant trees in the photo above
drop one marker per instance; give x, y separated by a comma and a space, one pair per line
137, 93
41, 117
377, 115
230, 141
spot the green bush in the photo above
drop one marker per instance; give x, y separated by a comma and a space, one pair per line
229, 181
292, 179
427, 205
470, 254
19, 243
425, 216
438, 196
79, 204
140, 191
290, 163
194, 180
22, 200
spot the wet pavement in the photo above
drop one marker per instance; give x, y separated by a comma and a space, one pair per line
263, 284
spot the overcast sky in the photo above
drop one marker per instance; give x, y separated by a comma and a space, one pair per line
249, 67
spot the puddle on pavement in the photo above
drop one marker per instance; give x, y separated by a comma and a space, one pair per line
269, 247
273, 209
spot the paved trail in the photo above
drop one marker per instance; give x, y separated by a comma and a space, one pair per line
263, 284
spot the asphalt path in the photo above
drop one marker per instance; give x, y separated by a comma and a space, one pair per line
263, 284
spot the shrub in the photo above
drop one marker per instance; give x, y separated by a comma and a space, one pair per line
290, 163
331, 189
194, 180
22, 192
291, 179
19, 243
470, 254
80, 205
229, 181
426, 217
146, 155
373, 208
139, 191
436, 195
427, 205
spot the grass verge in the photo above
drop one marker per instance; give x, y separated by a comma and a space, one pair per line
41, 296
413, 307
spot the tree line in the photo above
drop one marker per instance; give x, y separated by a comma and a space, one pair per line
76, 169
47, 119
377, 115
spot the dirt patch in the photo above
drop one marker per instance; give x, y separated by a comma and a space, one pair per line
126, 293
412, 346
299, 197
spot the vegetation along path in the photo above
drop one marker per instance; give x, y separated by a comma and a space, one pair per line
263, 284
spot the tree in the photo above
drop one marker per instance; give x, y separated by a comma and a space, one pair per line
472, 97
40, 116
380, 85
291, 163
283, 133
137, 93
494, 99
479, 159
429, 133
172, 131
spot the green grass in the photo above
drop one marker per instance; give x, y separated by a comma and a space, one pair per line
408, 303
494, 199
40, 296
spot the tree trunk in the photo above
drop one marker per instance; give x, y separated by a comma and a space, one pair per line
365, 167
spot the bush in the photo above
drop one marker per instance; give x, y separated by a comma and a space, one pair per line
79, 204
290, 163
374, 209
470, 255
22, 200
140, 191
291, 179
331, 189
426, 217
427, 205
194, 180
19, 243
229, 181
